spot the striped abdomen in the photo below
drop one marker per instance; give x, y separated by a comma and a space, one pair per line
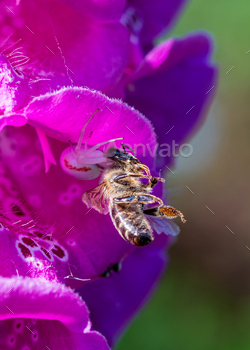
131, 223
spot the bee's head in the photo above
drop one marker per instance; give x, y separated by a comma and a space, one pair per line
121, 157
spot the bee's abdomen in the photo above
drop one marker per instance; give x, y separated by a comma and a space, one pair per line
131, 223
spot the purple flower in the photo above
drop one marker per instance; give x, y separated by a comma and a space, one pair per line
61, 317
48, 234
78, 51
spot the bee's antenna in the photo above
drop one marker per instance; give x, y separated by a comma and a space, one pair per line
79, 143
123, 146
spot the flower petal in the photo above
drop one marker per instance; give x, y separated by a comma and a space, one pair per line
114, 301
40, 314
14, 88
179, 82
99, 10
49, 233
48, 155
12, 119
16, 91
62, 115
27, 298
81, 51
156, 17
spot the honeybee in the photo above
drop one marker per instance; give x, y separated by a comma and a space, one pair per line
123, 195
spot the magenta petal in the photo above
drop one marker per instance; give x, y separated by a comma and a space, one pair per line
80, 52
12, 119
174, 92
99, 10
32, 249
114, 301
62, 115
14, 88
16, 91
156, 16
40, 314
28, 298
47, 153
50, 234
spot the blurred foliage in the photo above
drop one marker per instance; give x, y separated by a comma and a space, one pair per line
200, 303
228, 24
189, 312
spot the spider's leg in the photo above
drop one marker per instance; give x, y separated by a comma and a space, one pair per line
92, 149
79, 143
87, 140
91, 160
72, 148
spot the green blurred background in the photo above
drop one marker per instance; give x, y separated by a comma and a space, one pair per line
204, 299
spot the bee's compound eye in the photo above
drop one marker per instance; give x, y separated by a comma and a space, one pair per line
142, 239
111, 152
68, 161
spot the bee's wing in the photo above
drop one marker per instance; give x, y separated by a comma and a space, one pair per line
97, 198
163, 225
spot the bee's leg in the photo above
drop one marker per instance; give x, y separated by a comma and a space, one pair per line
143, 167
153, 211
129, 199
147, 198
141, 198
154, 181
123, 176
171, 212
165, 211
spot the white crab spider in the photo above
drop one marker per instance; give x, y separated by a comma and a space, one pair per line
81, 162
